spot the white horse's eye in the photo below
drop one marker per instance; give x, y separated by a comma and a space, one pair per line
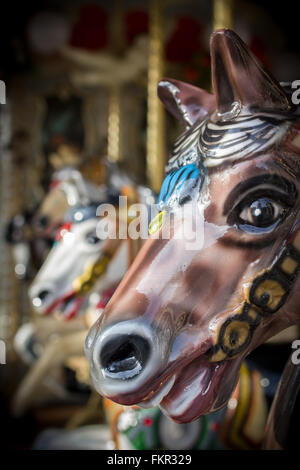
92, 238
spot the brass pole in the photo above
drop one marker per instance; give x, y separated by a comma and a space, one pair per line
113, 126
114, 97
223, 14
155, 114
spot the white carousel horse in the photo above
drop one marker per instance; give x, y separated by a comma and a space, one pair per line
78, 262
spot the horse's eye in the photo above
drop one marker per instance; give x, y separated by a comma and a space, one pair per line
260, 204
261, 213
92, 238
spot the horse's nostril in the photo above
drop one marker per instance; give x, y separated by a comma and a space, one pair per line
38, 300
125, 356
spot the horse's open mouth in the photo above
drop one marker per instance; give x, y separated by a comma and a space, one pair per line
197, 389
67, 305
184, 390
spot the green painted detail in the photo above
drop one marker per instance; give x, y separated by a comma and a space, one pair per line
146, 432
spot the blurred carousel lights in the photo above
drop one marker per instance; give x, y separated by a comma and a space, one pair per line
37, 302
264, 382
232, 403
71, 198
20, 270
21, 253
94, 298
78, 216
127, 420
47, 32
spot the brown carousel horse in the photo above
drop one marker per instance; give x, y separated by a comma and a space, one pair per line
224, 280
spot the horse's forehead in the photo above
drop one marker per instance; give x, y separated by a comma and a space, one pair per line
229, 150
215, 142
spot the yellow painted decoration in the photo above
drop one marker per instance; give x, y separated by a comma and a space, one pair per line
236, 334
244, 424
218, 356
82, 284
273, 288
253, 314
156, 223
289, 265
242, 408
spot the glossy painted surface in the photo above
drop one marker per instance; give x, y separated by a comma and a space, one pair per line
224, 280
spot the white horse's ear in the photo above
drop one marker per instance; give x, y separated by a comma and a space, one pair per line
238, 76
185, 102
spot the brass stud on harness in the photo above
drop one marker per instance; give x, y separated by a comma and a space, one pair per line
235, 333
268, 292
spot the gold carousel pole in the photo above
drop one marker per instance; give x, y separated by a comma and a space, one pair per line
114, 99
155, 114
113, 126
223, 14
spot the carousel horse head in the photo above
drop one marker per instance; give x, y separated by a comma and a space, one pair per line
68, 188
76, 261
186, 314
82, 258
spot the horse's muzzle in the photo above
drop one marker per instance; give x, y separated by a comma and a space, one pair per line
123, 356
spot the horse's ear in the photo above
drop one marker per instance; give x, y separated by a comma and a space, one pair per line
186, 102
237, 76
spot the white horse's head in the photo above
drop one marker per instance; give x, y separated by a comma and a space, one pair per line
78, 259
68, 189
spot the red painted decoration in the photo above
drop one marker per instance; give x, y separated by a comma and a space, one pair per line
62, 230
147, 422
185, 41
90, 31
136, 23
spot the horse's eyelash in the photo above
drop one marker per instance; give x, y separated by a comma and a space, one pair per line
271, 193
284, 189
